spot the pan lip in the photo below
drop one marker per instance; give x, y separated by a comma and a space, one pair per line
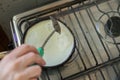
72, 51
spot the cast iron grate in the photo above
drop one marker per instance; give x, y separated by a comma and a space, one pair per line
94, 58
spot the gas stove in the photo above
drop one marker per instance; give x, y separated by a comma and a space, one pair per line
94, 24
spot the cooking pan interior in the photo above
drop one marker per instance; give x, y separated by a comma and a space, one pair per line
59, 47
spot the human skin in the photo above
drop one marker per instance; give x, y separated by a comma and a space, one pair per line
17, 65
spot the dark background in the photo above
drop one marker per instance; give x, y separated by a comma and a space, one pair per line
9, 8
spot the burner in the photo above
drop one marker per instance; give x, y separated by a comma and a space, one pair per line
112, 27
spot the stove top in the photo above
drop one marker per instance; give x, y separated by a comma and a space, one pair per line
97, 52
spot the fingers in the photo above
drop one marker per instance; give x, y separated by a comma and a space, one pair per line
29, 59
32, 72
23, 49
34, 79
19, 61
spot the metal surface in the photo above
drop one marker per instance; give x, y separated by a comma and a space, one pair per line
55, 24
94, 58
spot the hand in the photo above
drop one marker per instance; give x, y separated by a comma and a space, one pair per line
17, 64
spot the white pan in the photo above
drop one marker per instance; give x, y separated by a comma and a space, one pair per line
58, 48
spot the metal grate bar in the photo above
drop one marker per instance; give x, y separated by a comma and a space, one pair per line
97, 32
81, 58
84, 35
103, 25
82, 73
89, 77
115, 70
78, 43
47, 75
61, 78
102, 74
116, 46
91, 35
